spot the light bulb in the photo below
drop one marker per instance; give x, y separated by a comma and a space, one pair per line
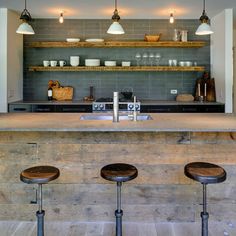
61, 18
172, 19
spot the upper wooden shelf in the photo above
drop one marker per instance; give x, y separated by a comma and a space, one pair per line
118, 68
115, 44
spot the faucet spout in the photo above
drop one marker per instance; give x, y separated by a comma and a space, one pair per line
115, 106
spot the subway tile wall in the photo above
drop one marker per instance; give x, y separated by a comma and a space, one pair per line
146, 85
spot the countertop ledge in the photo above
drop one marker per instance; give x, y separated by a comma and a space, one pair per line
171, 122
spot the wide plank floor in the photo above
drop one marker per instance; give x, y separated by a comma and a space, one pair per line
16, 228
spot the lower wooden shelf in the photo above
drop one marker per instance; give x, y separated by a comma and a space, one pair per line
117, 68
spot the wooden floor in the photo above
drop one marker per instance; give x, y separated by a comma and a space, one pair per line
16, 228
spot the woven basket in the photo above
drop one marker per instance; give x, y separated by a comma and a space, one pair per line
152, 38
62, 93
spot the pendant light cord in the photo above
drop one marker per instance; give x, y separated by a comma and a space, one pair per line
115, 4
25, 4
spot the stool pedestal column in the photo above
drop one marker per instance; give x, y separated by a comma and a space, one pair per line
204, 213
40, 213
119, 212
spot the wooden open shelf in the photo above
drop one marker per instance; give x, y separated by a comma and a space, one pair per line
118, 68
115, 44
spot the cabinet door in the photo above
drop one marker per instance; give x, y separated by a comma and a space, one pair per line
159, 108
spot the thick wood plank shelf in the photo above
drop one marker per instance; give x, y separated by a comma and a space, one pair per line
117, 68
116, 44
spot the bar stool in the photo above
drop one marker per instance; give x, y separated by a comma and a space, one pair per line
119, 172
205, 173
39, 175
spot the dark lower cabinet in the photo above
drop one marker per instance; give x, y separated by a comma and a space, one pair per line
201, 108
49, 108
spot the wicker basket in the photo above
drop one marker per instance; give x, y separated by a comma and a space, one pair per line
62, 93
152, 38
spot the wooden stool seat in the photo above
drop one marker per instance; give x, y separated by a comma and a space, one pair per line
39, 174
205, 173
119, 172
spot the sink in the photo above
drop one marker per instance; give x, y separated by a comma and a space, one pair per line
140, 117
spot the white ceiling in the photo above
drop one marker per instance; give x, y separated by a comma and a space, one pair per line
128, 9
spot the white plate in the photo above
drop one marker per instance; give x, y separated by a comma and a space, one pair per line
72, 40
94, 40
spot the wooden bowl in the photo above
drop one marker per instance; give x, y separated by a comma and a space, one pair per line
152, 38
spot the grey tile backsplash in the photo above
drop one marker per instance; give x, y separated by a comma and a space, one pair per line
146, 85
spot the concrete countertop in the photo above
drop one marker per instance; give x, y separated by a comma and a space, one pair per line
81, 102
170, 122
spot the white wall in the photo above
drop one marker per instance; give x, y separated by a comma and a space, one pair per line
222, 57
234, 94
3, 60
14, 59
11, 59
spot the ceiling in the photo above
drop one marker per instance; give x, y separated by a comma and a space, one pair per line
128, 9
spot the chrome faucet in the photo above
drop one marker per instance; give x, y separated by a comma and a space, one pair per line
135, 109
115, 106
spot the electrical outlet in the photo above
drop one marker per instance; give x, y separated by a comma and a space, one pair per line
173, 91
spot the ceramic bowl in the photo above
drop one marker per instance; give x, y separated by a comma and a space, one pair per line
110, 63
92, 62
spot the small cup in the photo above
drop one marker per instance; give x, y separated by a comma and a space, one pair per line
53, 63
125, 63
62, 63
46, 63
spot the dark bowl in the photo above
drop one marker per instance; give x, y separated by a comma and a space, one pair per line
127, 95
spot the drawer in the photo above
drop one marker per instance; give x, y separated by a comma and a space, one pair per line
19, 108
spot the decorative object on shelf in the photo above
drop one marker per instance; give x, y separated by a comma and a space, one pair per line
205, 88
46, 63
115, 27
152, 38
62, 63
184, 35
25, 27
110, 63
172, 19
204, 28
60, 93
184, 98
92, 62
125, 63
72, 40
177, 35
74, 60
61, 18
94, 40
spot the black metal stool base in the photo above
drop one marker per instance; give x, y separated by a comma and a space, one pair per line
205, 217
40, 225
118, 215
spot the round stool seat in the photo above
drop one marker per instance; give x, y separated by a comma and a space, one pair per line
119, 172
206, 173
39, 174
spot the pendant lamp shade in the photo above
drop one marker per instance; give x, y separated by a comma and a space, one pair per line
25, 27
204, 28
115, 27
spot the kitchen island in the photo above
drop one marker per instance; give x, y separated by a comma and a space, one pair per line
159, 148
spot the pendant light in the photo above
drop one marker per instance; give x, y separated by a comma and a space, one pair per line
204, 28
61, 18
25, 27
172, 19
115, 27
